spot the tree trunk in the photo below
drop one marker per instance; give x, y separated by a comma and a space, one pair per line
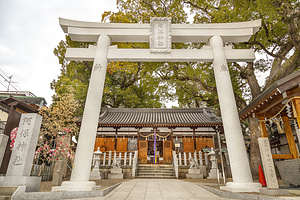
255, 159
253, 122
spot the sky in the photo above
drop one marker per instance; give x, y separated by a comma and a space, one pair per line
29, 32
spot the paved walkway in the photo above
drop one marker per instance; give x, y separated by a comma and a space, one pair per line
157, 189
171, 189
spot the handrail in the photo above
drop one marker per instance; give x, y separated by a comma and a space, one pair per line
134, 165
175, 164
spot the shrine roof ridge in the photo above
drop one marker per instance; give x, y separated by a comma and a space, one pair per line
158, 116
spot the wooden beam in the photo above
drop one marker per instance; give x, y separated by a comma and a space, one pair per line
275, 101
262, 126
282, 156
290, 137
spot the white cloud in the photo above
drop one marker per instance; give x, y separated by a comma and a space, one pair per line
30, 31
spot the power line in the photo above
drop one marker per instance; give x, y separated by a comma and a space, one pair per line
10, 82
3, 85
3, 72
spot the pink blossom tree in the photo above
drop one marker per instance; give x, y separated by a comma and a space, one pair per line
58, 127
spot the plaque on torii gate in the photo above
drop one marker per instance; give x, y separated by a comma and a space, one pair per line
160, 33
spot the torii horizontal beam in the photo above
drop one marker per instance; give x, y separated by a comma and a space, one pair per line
132, 32
204, 54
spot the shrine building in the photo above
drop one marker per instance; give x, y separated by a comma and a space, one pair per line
131, 129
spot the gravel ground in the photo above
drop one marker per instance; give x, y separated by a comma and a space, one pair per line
47, 185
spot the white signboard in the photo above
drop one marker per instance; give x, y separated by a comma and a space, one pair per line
23, 151
160, 34
268, 164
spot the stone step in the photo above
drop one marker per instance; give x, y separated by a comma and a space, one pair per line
143, 174
149, 172
155, 166
5, 197
7, 190
155, 177
149, 168
156, 170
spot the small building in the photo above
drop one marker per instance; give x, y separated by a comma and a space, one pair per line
278, 111
22, 96
12, 105
157, 131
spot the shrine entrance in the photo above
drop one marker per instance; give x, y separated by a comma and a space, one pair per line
159, 152
160, 34
151, 152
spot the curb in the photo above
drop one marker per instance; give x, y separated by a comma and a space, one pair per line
232, 195
65, 195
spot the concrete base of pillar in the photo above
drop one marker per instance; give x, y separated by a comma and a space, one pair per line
203, 171
242, 187
115, 176
194, 176
76, 186
194, 171
32, 183
95, 174
213, 174
267, 191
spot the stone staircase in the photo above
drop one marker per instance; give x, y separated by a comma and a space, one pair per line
155, 171
6, 192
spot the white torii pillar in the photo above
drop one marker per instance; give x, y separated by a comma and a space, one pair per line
82, 164
240, 169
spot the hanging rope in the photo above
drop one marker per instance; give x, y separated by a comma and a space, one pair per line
297, 97
161, 136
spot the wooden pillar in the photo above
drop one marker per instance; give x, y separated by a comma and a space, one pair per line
296, 103
194, 134
116, 139
290, 137
11, 123
262, 126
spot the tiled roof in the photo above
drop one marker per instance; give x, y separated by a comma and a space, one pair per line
267, 96
158, 116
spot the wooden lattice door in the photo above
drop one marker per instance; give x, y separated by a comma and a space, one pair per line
143, 149
167, 152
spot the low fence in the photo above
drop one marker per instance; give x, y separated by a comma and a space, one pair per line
106, 158
200, 157
43, 171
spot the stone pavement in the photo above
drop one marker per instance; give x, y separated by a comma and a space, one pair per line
157, 189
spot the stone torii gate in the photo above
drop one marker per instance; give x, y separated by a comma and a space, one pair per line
160, 33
